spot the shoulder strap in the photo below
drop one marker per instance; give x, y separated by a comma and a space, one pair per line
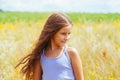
66, 52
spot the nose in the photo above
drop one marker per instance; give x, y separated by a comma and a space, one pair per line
67, 37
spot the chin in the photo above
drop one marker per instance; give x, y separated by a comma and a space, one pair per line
62, 45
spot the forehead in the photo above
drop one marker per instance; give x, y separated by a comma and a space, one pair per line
66, 28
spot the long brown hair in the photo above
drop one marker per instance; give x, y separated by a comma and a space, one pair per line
53, 24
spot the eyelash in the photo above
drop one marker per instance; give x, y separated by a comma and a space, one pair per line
65, 33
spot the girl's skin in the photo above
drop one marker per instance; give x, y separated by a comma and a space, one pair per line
58, 42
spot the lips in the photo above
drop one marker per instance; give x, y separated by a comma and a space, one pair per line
64, 41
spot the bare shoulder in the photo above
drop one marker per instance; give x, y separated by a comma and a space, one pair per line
72, 52
76, 63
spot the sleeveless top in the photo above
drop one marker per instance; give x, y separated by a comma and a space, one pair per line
58, 68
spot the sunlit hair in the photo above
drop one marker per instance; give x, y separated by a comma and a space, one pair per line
53, 24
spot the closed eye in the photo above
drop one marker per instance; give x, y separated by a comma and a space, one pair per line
63, 33
69, 33
66, 33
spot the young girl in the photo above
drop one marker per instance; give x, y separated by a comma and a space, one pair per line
51, 59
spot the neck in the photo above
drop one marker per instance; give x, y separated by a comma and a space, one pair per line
54, 47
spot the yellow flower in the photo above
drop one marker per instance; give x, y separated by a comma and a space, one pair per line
117, 23
96, 65
111, 78
11, 26
1, 27
117, 47
91, 73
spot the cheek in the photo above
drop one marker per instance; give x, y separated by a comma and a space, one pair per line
61, 37
58, 38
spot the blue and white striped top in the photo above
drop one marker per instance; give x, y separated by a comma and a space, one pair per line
58, 68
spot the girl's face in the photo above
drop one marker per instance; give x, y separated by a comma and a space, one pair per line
62, 36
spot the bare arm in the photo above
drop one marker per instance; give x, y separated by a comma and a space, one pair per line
76, 63
37, 74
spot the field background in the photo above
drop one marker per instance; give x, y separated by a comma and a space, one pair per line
96, 37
